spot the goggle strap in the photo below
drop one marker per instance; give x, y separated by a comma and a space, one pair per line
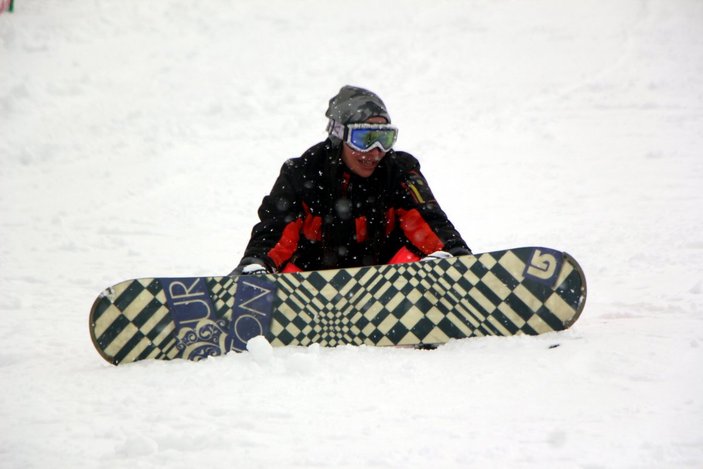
336, 129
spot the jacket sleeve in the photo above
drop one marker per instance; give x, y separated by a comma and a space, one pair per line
421, 219
275, 237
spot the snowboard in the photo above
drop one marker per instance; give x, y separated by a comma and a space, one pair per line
528, 290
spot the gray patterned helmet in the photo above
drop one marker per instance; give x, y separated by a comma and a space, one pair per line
354, 105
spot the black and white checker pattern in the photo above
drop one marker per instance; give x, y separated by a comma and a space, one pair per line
425, 303
222, 291
131, 321
407, 304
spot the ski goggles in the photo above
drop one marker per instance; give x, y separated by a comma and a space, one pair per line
366, 137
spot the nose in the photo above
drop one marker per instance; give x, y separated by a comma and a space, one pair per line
376, 153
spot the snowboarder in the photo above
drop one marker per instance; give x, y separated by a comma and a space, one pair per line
351, 200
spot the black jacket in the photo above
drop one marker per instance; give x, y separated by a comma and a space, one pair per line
320, 215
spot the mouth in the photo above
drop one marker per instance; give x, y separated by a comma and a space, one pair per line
368, 163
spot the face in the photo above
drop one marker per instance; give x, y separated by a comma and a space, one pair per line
363, 163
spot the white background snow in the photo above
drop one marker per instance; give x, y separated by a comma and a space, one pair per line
137, 138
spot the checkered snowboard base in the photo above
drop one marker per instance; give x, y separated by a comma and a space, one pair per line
518, 291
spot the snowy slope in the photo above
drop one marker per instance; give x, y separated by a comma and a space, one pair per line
137, 139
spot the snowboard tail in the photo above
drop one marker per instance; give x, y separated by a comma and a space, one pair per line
530, 291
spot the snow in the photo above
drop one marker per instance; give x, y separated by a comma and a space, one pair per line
137, 139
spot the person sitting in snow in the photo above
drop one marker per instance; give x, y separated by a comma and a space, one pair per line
351, 200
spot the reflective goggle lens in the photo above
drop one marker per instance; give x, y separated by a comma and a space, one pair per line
364, 137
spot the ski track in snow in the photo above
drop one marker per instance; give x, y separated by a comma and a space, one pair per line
138, 138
